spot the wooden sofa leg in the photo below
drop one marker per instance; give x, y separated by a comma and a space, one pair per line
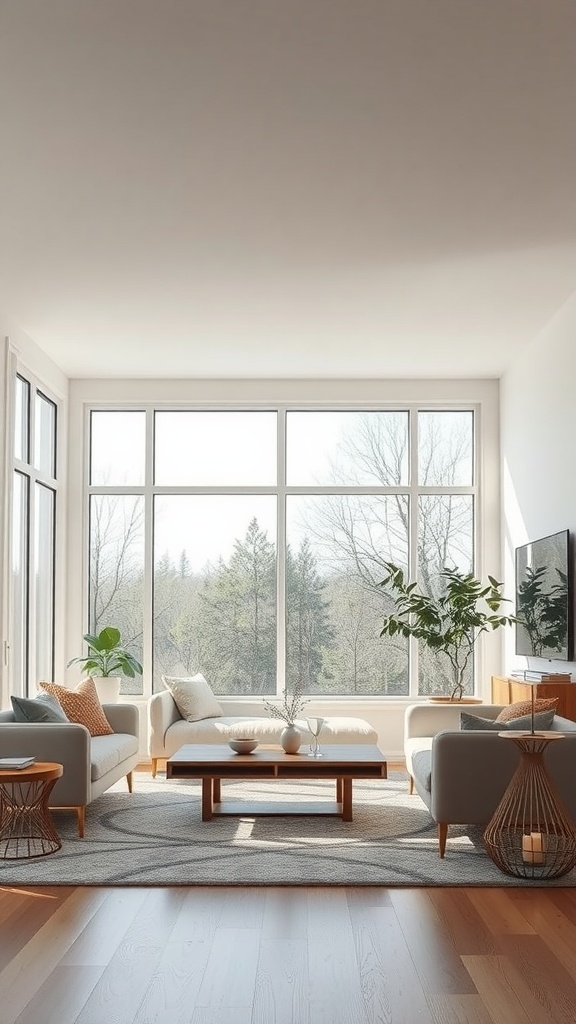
154, 767
129, 781
411, 791
442, 836
81, 815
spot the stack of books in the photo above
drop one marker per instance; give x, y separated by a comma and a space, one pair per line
9, 764
534, 676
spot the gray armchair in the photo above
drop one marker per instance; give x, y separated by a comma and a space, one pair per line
91, 763
462, 776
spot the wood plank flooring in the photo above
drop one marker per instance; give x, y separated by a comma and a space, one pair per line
315, 955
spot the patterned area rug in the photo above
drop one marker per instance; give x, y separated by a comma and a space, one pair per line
156, 837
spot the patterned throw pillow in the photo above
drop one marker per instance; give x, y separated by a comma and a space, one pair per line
82, 706
193, 697
524, 707
44, 708
473, 723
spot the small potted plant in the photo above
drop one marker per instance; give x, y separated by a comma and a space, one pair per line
106, 658
448, 624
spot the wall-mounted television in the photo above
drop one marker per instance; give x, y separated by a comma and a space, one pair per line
544, 598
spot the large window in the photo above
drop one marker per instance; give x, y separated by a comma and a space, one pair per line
250, 544
32, 601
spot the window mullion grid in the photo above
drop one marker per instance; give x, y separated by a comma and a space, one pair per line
281, 491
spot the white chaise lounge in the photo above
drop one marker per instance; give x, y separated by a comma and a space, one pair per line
169, 731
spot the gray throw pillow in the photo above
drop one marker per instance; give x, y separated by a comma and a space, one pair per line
44, 708
542, 721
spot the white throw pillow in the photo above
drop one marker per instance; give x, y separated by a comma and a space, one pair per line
193, 697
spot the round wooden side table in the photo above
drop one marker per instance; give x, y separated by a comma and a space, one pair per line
26, 826
531, 835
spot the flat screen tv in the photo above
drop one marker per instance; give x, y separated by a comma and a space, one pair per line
544, 598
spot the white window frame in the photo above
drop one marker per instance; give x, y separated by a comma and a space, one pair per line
54, 484
149, 490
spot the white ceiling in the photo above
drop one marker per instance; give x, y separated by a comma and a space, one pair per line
222, 188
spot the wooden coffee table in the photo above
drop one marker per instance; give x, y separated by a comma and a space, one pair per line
211, 763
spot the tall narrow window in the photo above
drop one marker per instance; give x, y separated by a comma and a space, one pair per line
32, 604
117, 531
20, 581
445, 518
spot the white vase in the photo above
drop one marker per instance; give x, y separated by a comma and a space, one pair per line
107, 688
291, 738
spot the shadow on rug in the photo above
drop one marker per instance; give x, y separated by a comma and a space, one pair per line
156, 837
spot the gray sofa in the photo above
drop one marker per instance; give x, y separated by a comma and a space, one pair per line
462, 775
169, 731
91, 763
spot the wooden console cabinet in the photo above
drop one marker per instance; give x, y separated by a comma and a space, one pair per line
508, 691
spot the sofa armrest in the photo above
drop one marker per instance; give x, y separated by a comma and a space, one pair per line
66, 743
123, 718
471, 770
54, 741
428, 719
470, 773
162, 713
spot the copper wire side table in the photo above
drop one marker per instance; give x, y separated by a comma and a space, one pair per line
531, 835
26, 826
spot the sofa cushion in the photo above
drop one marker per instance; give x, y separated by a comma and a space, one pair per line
108, 751
44, 708
542, 721
265, 730
412, 745
342, 729
422, 767
81, 706
193, 697
524, 707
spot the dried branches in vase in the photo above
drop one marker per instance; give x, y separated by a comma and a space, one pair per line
292, 705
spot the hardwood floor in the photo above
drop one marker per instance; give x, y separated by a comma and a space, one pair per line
287, 956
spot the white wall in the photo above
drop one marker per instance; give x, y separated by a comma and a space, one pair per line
538, 441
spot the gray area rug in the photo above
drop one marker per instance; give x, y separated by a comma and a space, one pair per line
156, 837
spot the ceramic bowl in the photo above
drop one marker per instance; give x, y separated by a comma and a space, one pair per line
243, 746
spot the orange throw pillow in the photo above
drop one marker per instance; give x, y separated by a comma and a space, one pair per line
524, 707
82, 706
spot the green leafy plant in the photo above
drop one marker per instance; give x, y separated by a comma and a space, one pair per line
106, 655
292, 705
448, 624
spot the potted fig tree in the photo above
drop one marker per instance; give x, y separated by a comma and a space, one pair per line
449, 623
107, 658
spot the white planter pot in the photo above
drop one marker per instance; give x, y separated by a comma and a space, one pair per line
107, 688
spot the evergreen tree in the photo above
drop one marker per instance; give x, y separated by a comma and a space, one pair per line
242, 602
308, 629
184, 568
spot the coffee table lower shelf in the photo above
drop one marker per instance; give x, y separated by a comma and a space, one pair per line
213, 805
211, 764
271, 808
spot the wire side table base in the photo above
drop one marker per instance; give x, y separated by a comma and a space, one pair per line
26, 826
531, 835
